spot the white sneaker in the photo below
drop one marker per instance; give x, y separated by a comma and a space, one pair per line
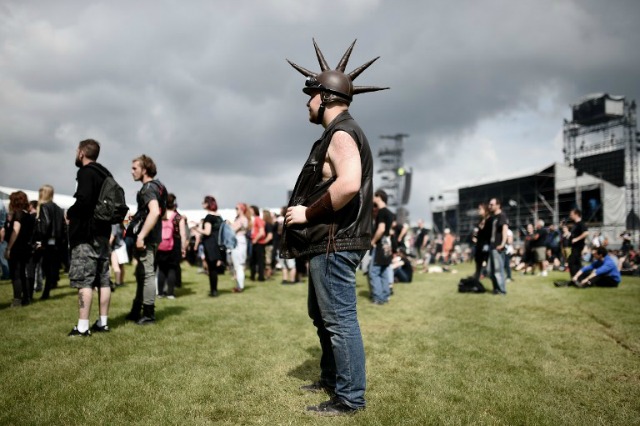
171, 297
544, 273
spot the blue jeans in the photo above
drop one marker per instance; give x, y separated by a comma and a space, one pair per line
4, 264
496, 271
332, 307
379, 280
506, 259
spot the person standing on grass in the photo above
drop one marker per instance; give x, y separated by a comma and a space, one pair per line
482, 238
579, 233
208, 231
328, 220
539, 244
18, 251
239, 254
50, 238
258, 244
152, 202
89, 241
380, 283
170, 250
499, 227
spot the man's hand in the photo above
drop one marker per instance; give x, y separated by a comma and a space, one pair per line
296, 215
140, 243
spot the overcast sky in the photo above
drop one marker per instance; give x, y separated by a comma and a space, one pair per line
203, 87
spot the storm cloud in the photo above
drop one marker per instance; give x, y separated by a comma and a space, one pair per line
204, 89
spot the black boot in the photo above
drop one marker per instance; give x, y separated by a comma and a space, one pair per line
134, 315
148, 315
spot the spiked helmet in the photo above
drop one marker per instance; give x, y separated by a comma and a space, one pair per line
335, 85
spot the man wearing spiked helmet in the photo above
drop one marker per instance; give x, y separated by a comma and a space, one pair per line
328, 221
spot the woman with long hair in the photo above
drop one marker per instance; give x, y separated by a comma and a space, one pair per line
268, 243
258, 239
482, 239
19, 247
239, 254
50, 237
208, 230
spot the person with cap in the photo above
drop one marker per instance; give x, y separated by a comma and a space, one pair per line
328, 221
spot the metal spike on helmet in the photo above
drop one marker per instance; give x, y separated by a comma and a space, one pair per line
335, 84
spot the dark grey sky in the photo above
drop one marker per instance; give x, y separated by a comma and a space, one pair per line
203, 87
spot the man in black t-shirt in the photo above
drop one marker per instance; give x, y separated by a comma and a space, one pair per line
89, 241
151, 205
499, 228
381, 253
539, 246
421, 239
579, 233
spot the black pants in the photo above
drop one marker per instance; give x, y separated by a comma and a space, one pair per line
50, 269
213, 275
18, 273
168, 270
604, 281
479, 259
167, 279
257, 262
575, 261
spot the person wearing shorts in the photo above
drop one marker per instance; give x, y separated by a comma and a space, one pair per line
89, 241
289, 271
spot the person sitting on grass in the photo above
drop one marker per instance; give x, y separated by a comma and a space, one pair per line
402, 267
603, 271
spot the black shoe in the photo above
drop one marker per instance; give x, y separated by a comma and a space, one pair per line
561, 283
213, 294
146, 321
44, 296
585, 285
99, 328
316, 387
76, 333
333, 407
148, 315
134, 314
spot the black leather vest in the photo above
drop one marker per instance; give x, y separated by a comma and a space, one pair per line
350, 227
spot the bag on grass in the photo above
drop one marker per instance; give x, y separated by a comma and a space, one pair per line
470, 285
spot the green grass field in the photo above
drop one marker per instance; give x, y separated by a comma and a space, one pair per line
541, 355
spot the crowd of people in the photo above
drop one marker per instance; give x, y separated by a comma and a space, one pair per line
536, 249
34, 240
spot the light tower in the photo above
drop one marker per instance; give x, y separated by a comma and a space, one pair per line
396, 178
602, 140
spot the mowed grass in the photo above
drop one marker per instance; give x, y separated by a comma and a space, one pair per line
540, 355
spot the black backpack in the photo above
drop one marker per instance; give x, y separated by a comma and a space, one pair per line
111, 207
470, 285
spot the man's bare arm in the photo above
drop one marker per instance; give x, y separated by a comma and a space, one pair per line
344, 159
